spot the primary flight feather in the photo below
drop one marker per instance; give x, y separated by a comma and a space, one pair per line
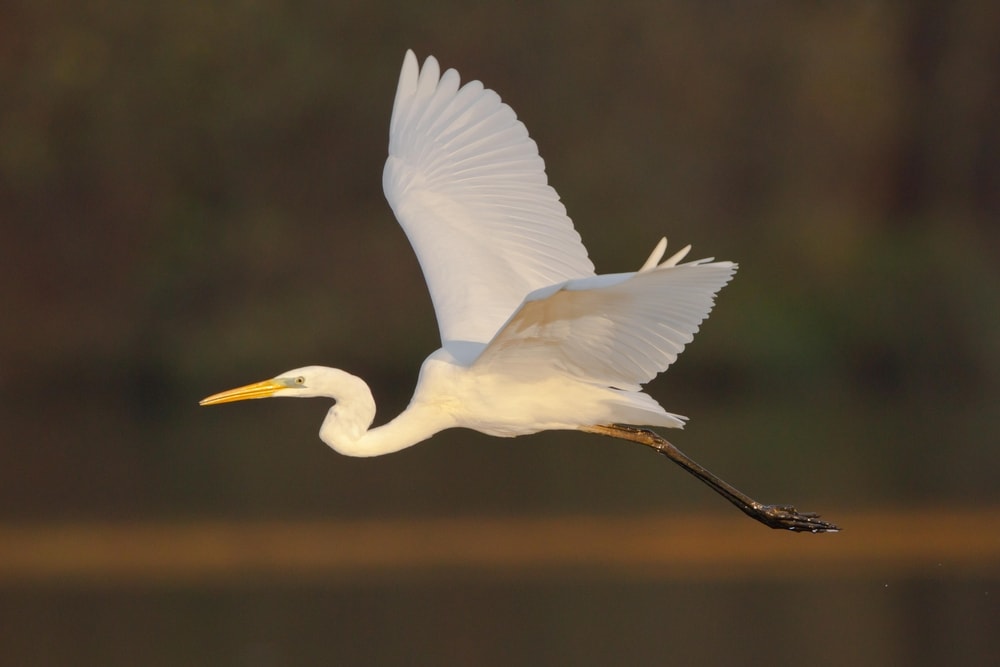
469, 189
531, 339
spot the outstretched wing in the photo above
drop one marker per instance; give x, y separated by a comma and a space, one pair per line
469, 189
616, 330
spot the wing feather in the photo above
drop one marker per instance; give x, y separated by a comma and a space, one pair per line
616, 330
469, 189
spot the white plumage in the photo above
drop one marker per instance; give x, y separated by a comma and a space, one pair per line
531, 339
469, 189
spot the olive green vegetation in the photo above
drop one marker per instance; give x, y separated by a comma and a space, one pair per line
190, 200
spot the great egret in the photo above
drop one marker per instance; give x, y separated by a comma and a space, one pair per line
531, 338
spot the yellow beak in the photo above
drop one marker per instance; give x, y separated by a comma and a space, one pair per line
263, 389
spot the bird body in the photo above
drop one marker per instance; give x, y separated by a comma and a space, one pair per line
572, 356
531, 338
485, 398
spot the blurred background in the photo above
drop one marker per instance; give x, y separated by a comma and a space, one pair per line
190, 200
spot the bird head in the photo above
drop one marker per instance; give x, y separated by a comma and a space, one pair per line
305, 382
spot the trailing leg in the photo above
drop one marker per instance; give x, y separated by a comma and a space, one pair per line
775, 516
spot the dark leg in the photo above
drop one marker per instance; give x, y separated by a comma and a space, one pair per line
775, 516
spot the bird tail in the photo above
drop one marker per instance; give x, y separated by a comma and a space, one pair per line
640, 409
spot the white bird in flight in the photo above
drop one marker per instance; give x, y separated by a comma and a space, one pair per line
531, 338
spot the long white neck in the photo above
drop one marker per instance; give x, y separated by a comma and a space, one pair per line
347, 424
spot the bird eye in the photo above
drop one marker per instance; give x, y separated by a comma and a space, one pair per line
300, 380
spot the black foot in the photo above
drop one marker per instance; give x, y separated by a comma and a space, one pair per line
787, 517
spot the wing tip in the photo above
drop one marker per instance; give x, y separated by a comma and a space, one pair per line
409, 72
654, 257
